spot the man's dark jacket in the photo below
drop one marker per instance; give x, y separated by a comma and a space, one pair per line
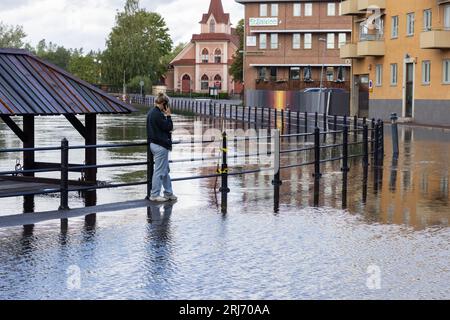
159, 128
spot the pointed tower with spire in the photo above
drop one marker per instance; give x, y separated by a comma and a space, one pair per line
204, 62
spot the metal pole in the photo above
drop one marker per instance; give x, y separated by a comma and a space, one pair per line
377, 143
306, 125
345, 168
224, 174
317, 173
316, 119
365, 145
355, 128
64, 204
276, 182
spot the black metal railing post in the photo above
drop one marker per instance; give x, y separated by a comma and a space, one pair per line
365, 145
64, 201
306, 125
224, 190
249, 120
150, 170
394, 128
256, 117
345, 169
269, 120
276, 182
355, 128
377, 144
317, 175
316, 119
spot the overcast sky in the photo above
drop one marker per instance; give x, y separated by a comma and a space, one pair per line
87, 23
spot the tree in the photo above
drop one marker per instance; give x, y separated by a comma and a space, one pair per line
136, 45
58, 55
86, 67
11, 36
237, 68
172, 55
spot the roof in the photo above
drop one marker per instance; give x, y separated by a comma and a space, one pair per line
32, 86
184, 62
216, 9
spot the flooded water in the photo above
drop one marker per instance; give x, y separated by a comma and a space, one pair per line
391, 242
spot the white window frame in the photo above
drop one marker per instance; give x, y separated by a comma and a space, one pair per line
427, 19
331, 41
308, 9
296, 41
342, 40
379, 75
410, 24
447, 17
274, 41
307, 41
426, 72
331, 9
394, 74
263, 41
274, 10
394, 26
446, 71
263, 10
297, 9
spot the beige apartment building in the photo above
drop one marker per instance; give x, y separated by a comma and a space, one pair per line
289, 43
400, 51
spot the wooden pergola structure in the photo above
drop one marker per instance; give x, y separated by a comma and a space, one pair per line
30, 87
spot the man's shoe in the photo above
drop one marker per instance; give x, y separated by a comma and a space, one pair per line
172, 197
159, 199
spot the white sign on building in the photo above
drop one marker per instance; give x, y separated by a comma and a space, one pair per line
251, 41
263, 22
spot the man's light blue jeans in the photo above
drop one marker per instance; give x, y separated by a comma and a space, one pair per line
161, 177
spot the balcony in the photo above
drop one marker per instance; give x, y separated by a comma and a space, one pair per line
295, 85
371, 45
435, 39
349, 7
349, 51
363, 5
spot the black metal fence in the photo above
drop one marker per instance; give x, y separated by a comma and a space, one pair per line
367, 136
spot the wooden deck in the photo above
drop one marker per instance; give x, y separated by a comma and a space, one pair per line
32, 218
12, 185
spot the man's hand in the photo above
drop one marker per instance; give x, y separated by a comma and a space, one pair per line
168, 113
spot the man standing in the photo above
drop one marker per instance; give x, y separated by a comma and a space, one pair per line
159, 130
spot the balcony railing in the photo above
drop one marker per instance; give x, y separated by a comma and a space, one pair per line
371, 37
435, 39
293, 85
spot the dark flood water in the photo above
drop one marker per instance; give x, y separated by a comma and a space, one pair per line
393, 245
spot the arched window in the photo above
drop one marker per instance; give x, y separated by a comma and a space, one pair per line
205, 82
218, 56
212, 26
218, 81
205, 55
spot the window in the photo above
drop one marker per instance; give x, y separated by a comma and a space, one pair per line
218, 81
331, 10
307, 41
204, 82
330, 74
410, 24
274, 41
218, 56
205, 56
446, 71
261, 73
263, 10
342, 39
427, 20
308, 9
274, 10
378, 75
296, 41
394, 27
212, 26
394, 74
297, 9
447, 17
263, 41
295, 73
273, 73
426, 72
330, 41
